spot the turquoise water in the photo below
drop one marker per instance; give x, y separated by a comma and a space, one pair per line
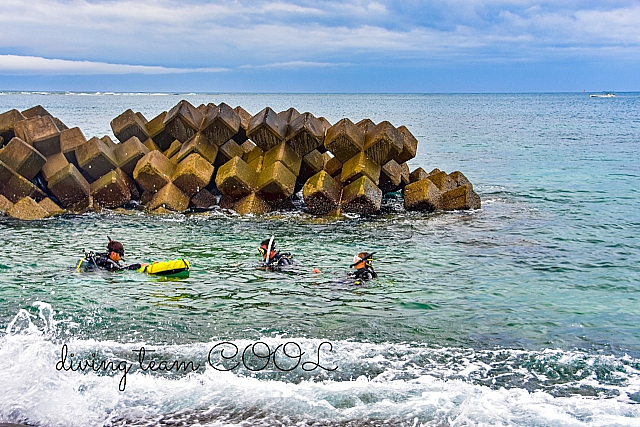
522, 313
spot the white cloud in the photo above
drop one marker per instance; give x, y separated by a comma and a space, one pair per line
294, 65
15, 64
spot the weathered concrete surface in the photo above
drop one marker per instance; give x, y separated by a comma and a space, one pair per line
96, 158
5, 204
252, 204
332, 165
275, 182
418, 174
173, 149
128, 125
312, 163
183, 121
169, 197
153, 171
409, 147
70, 140
459, 178
69, 186
228, 151
289, 115
267, 129
220, 124
366, 125
405, 174
111, 190
27, 209
383, 143
283, 153
22, 158
361, 196
305, 133
461, 198
158, 133
14, 186
358, 166
85, 205
152, 146
203, 199
235, 179
192, 174
443, 181
422, 195
390, 177
344, 140
53, 165
245, 119
8, 119
321, 193
197, 144
40, 132
51, 207
129, 153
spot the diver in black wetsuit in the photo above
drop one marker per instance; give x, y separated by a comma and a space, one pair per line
363, 263
109, 260
274, 259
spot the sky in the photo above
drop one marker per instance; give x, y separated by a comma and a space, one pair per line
318, 46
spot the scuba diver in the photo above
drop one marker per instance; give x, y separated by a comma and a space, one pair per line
109, 260
363, 263
274, 259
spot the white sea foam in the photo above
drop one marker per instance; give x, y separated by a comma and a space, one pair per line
404, 384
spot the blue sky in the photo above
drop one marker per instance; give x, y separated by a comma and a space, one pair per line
320, 46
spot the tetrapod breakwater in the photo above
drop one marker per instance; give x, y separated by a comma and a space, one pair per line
214, 156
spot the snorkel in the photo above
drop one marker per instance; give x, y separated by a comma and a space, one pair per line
266, 260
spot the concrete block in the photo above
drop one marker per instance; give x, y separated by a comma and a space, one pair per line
153, 171
252, 204
326, 124
158, 133
405, 175
152, 146
390, 177
146, 196
36, 111
22, 158
245, 119
8, 119
227, 202
111, 190
131, 184
220, 124
96, 158
409, 147
69, 186
459, 178
129, 153
40, 132
358, 166
183, 121
107, 140
53, 165
51, 207
366, 125
383, 143
203, 199
361, 196
312, 163
443, 181
14, 186
27, 209
321, 193
5, 204
161, 211
169, 197
173, 149
70, 140
251, 152
344, 140
283, 153
275, 182
332, 165
235, 179
257, 164
422, 195
86, 204
305, 133
267, 129
228, 151
197, 144
289, 115
128, 125
461, 198
418, 175
192, 174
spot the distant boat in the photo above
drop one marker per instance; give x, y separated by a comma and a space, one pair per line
603, 95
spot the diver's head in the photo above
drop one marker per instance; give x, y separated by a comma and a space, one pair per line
362, 260
264, 247
115, 249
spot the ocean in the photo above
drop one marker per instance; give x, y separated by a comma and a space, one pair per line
525, 312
